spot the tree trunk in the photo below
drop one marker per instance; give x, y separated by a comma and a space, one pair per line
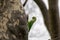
54, 19
51, 17
13, 21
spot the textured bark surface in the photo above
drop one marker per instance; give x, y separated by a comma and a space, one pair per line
13, 21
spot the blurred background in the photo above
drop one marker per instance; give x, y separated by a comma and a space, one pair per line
38, 30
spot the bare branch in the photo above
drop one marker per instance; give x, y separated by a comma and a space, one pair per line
25, 3
51, 17
44, 11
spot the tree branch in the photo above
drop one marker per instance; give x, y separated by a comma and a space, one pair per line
25, 3
44, 11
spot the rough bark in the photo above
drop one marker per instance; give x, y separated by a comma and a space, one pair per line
13, 21
51, 17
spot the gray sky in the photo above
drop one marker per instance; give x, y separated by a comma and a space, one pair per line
38, 30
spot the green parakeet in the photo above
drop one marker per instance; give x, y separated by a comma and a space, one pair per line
31, 22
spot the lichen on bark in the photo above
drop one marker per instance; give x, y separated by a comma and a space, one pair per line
13, 20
